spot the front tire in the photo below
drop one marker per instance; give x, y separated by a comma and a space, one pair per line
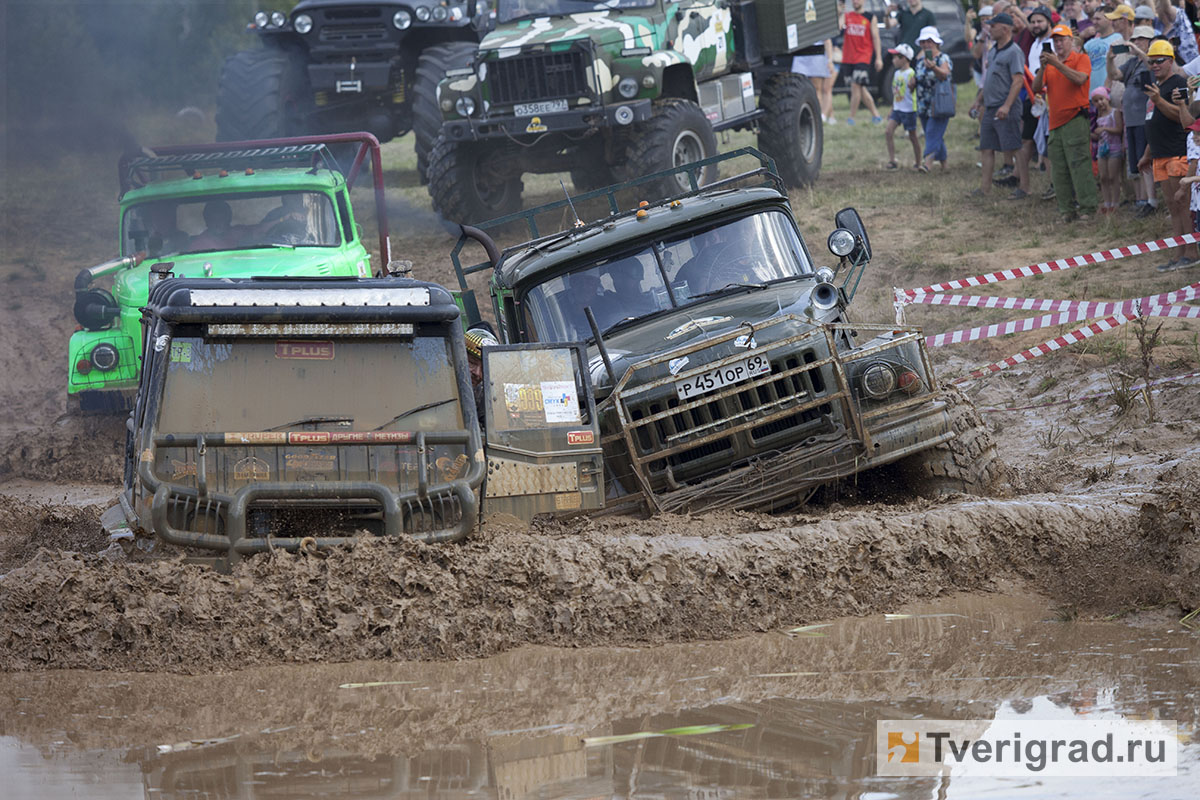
677, 134
790, 130
426, 115
467, 185
967, 464
263, 94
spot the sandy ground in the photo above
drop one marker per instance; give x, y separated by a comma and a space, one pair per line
1099, 509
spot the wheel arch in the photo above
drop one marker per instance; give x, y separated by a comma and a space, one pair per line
678, 80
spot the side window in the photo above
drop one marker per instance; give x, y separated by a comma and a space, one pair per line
344, 215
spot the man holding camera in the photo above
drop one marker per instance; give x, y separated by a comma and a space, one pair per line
1135, 75
1065, 74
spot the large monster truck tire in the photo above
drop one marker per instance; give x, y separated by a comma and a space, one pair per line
593, 175
790, 130
466, 186
677, 134
426, 114
967, 464
263, 94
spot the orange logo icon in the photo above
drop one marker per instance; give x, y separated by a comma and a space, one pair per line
903, 747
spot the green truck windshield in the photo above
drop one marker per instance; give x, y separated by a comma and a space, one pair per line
329, 384
230, 222
674, 273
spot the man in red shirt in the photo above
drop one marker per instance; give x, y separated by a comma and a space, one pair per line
1066, 74
860, 48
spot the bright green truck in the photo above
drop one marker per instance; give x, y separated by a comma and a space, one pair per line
235, 209
615, 90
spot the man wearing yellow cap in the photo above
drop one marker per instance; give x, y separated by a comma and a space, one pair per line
1065, 75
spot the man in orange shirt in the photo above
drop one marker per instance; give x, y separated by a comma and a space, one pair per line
1065, 74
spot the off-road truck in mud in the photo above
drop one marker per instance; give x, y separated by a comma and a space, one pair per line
297, 413
239, 209
725, 363
618, 89
349, 65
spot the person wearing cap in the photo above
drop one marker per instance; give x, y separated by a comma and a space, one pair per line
933, 67
1000, 124
860, 48
1065, 76
903, 111
1135, 75
1106, 36
911, 20
1166, 138
979, 35
1174, 25
479, 336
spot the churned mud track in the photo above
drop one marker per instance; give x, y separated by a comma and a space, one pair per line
597, 582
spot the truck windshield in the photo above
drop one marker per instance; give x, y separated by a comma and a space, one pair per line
673, 273
329, 384
508, 10
230, 222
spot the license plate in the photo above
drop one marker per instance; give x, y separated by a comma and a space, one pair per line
713, 379
544, 107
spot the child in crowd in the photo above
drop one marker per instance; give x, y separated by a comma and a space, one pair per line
903, 112
1192, 181
1109, 136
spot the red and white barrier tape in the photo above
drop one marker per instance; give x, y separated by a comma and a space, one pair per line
904, 296
1057, 343
1094, 308
1085, 311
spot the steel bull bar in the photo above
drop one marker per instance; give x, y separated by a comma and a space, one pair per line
235, 542
866, 438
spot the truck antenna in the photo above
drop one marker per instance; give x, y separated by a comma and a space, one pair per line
578, 222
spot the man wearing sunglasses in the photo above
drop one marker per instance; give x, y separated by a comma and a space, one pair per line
1166, 143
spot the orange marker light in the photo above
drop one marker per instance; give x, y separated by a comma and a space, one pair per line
643, 204
223, 173
249, 170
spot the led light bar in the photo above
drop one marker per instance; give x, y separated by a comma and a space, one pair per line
310, 297
275, 329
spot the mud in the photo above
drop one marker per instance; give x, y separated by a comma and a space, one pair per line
619, 581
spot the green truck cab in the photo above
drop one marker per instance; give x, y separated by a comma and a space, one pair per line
611, 91
726, 365
235, 209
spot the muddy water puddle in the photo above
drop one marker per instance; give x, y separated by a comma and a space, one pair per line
774, 715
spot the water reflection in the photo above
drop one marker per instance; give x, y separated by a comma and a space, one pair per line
513, 726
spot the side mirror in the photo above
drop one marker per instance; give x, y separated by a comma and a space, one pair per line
848, 219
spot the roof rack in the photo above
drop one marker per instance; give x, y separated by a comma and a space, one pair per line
692, 170
292, 151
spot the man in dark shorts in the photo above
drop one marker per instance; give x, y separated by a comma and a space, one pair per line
860, 49
1000, 125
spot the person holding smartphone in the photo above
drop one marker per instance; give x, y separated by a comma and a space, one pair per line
933, 67
1065, 75
1135, 75
1106, 36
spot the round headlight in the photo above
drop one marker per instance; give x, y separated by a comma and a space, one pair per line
402, 19
628, 88
104, 357
261, 19
302, 23
465, 106
825, 275
841, 242
440, 13
422, 13
878, 380
278, 19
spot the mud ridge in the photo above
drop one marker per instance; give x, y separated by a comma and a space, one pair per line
612, 582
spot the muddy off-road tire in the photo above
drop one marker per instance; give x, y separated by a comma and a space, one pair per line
677, 134
967, 464
263, 94
465, 186
426, 115
790, 130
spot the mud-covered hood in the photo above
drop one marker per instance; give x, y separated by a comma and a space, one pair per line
671, 331
605, 28
132, 287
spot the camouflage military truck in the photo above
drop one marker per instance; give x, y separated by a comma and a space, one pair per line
282, 206
725, 363
301, 413
348, 65
610, 91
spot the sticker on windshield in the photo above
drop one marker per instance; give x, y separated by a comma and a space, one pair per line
560, 401
696, 324
319, 351
181, 352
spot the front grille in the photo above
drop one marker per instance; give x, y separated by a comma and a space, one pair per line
706, 418
529, 77
187, 513
439, 512
367, 33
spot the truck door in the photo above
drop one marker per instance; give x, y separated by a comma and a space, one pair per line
542, 432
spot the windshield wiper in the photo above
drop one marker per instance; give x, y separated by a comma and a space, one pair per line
618, 324
411, 411
730, 286
311, 421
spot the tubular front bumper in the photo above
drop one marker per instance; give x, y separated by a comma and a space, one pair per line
576, 119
